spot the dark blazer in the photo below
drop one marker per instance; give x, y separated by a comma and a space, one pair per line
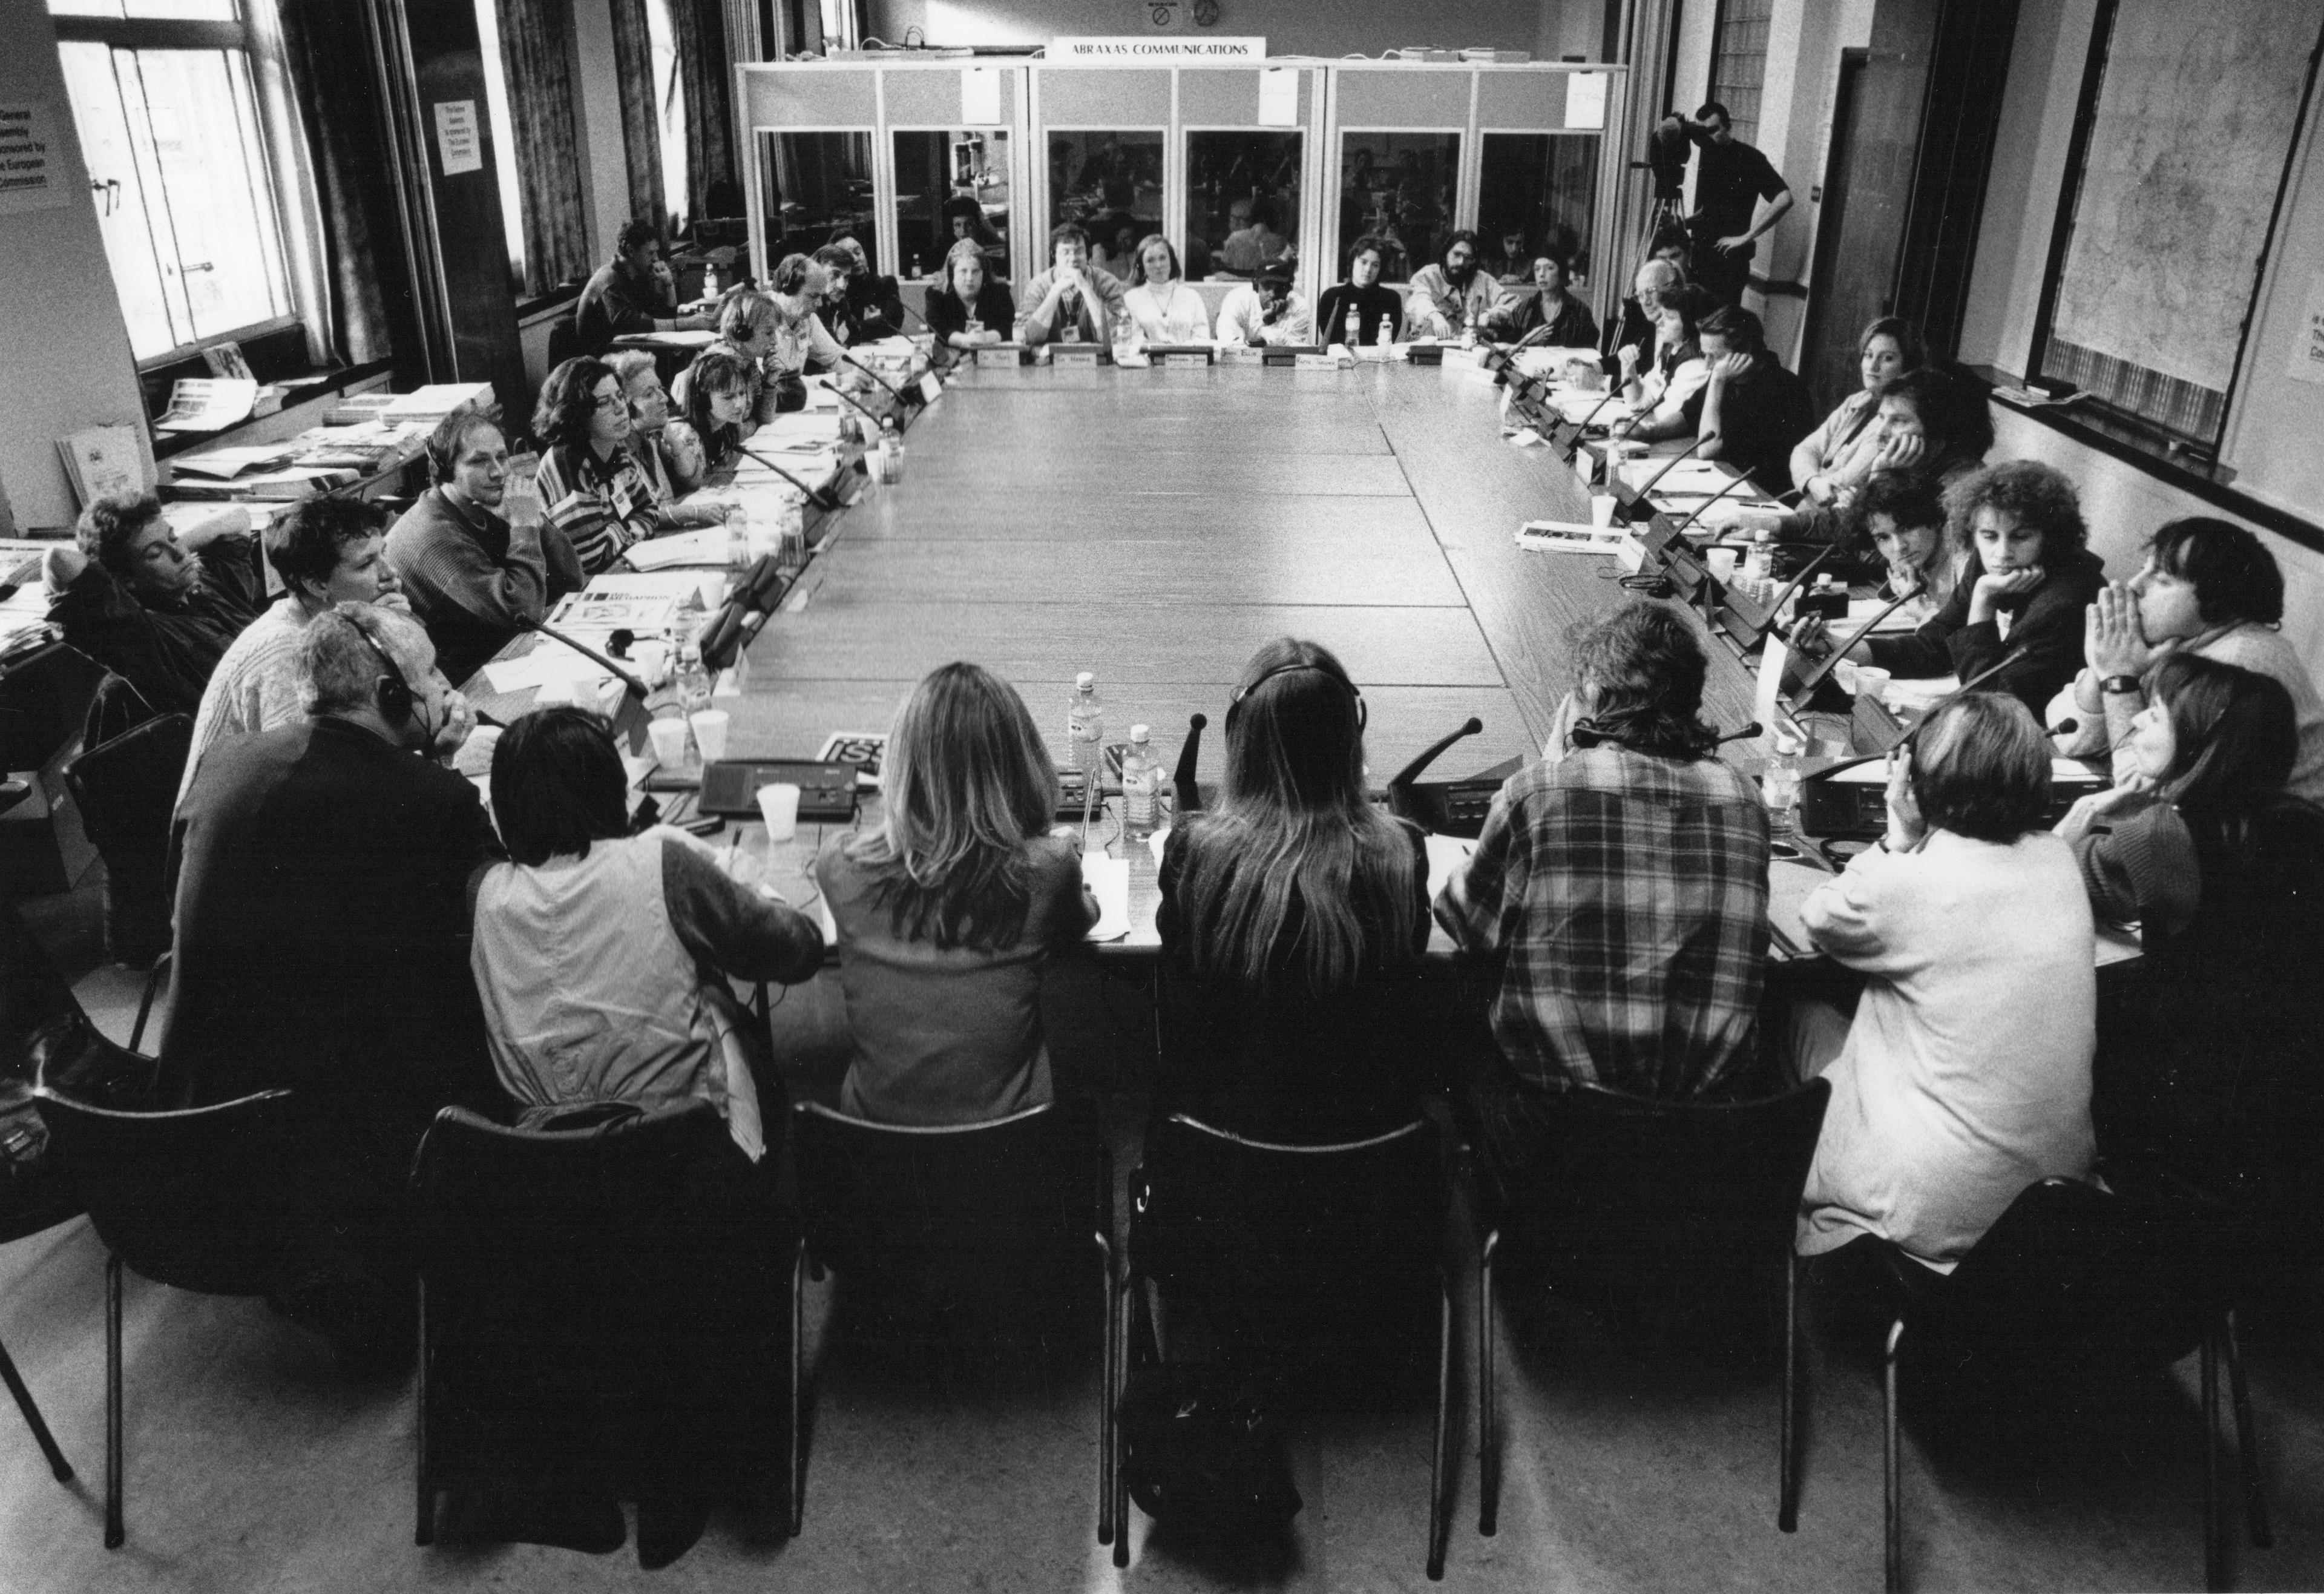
322, 932
875, 310
166, 649
996, 307
2047, 623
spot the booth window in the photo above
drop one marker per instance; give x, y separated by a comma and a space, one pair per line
181, 168
1537, 194
1397, 187
1739, 67
1243, 201
951, 185
1110, 183
818, 187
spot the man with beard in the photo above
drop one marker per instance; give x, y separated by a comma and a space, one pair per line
1446, 300
1730, 181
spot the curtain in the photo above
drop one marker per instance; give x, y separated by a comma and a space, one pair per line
536, 46
633, 65
698, 28
327, 50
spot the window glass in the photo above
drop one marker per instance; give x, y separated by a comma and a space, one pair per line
818, 187
201, 10
1537, 194
950, 186
1112, 183
1243, 201
504, 168
1399, 188
670, 102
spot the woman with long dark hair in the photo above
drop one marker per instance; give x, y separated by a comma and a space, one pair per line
949, 911
1289, 917
595, 493
1840, 451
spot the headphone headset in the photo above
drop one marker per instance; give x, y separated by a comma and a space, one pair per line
396, 700
1363, 712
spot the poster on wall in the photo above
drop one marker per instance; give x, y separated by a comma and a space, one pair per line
32, 161
456, 139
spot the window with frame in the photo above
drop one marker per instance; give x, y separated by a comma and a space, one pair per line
1739, 63
181, 168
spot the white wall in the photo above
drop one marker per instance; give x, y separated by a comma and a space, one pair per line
1291, 27
64, 350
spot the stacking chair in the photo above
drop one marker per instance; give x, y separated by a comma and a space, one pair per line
201, 1199
890, 1200
601, 1307
1317, 1234
126, 790
2075, 1282
1623, 1196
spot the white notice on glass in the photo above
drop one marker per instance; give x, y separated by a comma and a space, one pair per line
456, 139
2307, 336
1279, 98
980, 95
1585, 99
31, 162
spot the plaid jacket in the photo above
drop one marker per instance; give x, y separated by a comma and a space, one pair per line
1626, 896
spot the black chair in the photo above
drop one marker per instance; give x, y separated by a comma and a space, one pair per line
1301, 1239
601, 1308
2074, 1282
1627, 1201
126, 790
1017, 1197
201, 1199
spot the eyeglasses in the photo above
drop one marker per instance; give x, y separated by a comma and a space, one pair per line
611, 400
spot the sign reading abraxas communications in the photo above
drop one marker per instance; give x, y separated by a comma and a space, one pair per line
1135, 51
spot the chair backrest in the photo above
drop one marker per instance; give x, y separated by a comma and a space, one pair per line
45, 1035
564, 340
2073, 1274
206, 1198
127, 788
1677, 1185
874, 1194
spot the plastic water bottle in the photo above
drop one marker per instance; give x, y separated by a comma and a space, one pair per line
1759, 564
891, 450
1352, 326
1085, 726
914, 275
1138, 777
710, 279
693, 677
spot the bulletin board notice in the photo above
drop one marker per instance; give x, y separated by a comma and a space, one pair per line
32, 161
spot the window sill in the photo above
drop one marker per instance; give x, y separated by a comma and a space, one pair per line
304, 409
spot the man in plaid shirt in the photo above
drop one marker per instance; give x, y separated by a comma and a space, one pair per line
1622, 881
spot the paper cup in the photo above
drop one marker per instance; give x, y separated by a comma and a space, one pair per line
1871, 682
778, 806
1601, 510
1722, 563
669, 739
709, 733
647, 658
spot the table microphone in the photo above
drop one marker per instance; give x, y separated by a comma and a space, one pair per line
1646, 493
1966, 687
1707, 503
858, 406
901, 402
1613, 392
1830, 661
814, 495
635, 686
1752, 729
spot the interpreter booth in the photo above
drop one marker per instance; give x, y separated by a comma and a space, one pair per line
1233, 165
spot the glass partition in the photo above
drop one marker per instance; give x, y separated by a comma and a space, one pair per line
949, 186
1399, 188
818, 187
1243, 201
1112, 183
1536, 195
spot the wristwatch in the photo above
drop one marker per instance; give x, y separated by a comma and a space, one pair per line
2114, 684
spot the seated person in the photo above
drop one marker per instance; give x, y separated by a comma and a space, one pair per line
2213, 1074
1267, 311
1158, 301
1633, 333
971, 309
631, 293
603, 959
156, 610
1751, 413
1550, 316
837, 267
1965, 1073
1113, 244
1841, 451
595, 494
1925, 421
474, 578
1293, 918
322, 926
718, 414
1657, 394
1452, 296
798, 342
1620, 883
2027, 580
949, 911
2209, 588
1252, 241
328, 552
875, 309
746, 331
666, 451
1360, 311
1513, 266
1072, 302
1897, 537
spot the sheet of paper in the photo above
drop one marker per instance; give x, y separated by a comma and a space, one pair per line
1108, 879
437, 400
1860, 609
548, 662
980, 95
207, 403
677, 338
1445, 854
1279, 98
1767, 701
458, 141
1585, 99
704, 547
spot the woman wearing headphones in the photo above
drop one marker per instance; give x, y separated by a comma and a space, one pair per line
1292, 919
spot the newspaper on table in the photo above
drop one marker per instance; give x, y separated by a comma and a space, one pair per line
208, 403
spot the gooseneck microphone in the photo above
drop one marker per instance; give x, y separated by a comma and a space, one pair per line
1188, 793
1830, 661
1672, 464
1966, 687
1707, 503
1411, 771
630, 683
818, 496
901, 402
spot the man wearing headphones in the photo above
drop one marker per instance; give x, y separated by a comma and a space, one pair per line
474, 578
632, 293
322, 920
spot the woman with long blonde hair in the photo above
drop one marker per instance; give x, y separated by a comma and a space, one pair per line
949, 910
1290, 918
